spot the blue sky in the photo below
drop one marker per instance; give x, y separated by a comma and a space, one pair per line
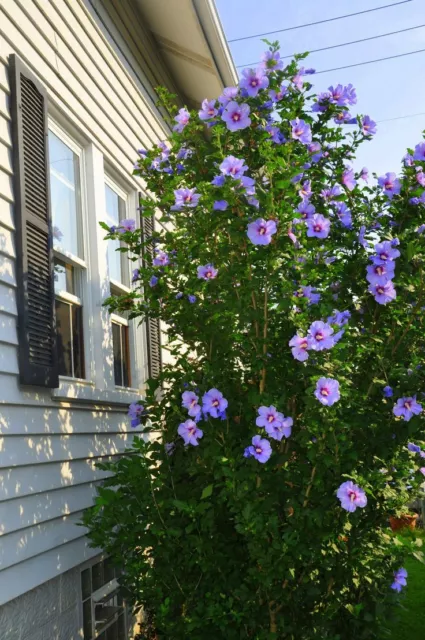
385, 90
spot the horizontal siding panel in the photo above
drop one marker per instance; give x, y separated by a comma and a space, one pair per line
6, 158
6, 214
8, 300
19, 450
5, 134
4, 80
24, 481
22, 545
25, 576
55, 421
7, 271
7, 242
67, 100
4, 105
8, 332
94, 42
6, 190
102, 89
9, 359
33, 510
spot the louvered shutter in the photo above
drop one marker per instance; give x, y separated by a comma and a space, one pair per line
153, 326
38, 363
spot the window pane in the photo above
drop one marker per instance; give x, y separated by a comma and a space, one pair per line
64, 277
120, 342
65, 195
87, 620
122, 631
86, 583
69, 321
78, 344
98, 581
109, 572
64, 337
115, 212
118, 363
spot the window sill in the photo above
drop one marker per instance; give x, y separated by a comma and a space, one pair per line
84, 391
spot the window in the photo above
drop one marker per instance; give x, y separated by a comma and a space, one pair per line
69, 265
119, 275
104, 610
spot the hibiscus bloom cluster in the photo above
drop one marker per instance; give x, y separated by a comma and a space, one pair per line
214, 404
276, 425
381, 271
320, 336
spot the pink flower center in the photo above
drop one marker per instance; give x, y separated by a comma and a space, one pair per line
192, 404
380, 271
352, 494
262, 230
188, 199
254, 82
211, 112
319, 336
324, 392
208, 274
383, 256
215, 403
408, 405
258, 450
270, 417
317, 227
191, 430
304, 344
236, 117
298, 131
380, 290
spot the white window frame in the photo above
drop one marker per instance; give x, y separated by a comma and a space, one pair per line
82, 264
130, 197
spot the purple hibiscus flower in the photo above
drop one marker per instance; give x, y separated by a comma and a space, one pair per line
190, 402
207, 272
300, 346
214, 403
369, 127
301, 131
414, 448
182, 119
271, 61
135, 275
387, 391
236, 116
385, 253
280, 429
218, 181
260, 231
350, 94
351, 496
318, 226
380, 273
126, 225
305, 190
337, 95
220, 205
343, 213
364, 174
276, 96
253, 80
419, 153
186, 197
268, 416
331, 192
229, 94
390, 184
340, 318
384, 293
135, 412
406, 408
348, 179
208, 109
233, 167
306, 210
190, 432
161, 259
153, 281
309, 293
420, 178
191, 298
400, 580
320, 334
260, 449
327, 391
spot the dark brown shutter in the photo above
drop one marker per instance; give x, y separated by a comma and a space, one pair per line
36, 302
153, 326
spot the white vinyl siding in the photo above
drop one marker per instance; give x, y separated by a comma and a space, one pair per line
99, 65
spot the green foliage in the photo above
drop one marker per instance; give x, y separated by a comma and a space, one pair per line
218, 546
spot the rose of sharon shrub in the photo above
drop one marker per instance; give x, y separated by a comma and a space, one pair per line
255, 501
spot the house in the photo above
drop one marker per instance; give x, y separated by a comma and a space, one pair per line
77, 99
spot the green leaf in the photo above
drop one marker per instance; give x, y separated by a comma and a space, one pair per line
207, 491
